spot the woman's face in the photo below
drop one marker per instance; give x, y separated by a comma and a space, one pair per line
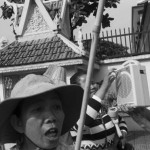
42, 121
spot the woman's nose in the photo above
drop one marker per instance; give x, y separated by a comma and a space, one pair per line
49, 117
50, 120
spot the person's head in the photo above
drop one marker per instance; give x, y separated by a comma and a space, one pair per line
40, 120
39, 111
79, 78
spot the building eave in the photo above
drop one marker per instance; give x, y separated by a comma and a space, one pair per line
40, 66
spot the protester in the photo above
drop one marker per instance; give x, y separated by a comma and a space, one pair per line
79, 78
100, 132
40, 109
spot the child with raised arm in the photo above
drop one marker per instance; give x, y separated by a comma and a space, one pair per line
98, 132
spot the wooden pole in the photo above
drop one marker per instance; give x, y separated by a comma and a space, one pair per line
2, 147
96, 32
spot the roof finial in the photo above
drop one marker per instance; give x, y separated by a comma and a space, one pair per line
80, 43
3, 42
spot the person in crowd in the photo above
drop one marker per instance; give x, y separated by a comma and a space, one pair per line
79, 78
99, 131
40, 110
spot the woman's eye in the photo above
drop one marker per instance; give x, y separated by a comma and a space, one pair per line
58, 107
37, 109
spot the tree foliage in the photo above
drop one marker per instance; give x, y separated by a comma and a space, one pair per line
79, 11
107, 49
7, 11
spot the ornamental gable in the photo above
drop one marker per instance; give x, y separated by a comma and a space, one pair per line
41, 16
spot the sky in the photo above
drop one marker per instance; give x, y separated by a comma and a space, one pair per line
122, 19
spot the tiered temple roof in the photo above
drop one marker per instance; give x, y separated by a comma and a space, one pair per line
37, 51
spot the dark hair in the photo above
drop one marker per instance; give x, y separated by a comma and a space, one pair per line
17, 110
76, 77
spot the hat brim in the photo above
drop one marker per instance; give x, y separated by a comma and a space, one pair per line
70, 96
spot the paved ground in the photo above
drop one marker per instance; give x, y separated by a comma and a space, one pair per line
139, 139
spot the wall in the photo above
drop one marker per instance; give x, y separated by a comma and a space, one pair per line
1, 89
70, 70
106, 65
116, 63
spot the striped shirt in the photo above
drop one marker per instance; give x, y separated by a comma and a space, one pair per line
97, 131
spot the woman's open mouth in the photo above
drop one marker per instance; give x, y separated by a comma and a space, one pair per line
52, 133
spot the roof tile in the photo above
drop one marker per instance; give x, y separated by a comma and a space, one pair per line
51, 50
55, 50
31, 59
35, 51
53, 44
46, 51
40, 52
62, 49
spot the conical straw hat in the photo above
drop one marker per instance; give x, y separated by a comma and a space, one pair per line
56, 73
31, 87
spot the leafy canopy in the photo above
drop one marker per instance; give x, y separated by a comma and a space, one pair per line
79, 11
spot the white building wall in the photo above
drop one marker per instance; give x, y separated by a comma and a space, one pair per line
70, 71
116, 63
1, 89
106, 65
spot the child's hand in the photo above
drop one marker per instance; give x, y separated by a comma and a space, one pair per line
109, 78
123, 140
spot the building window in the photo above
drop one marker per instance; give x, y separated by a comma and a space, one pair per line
9, 82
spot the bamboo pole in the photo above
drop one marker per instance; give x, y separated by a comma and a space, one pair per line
96, 32
2, 147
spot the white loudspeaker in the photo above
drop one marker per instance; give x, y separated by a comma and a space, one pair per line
131, 84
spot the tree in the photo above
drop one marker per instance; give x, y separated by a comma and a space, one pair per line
107, 49
79, 11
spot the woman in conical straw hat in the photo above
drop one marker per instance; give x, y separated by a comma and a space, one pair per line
40, 109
